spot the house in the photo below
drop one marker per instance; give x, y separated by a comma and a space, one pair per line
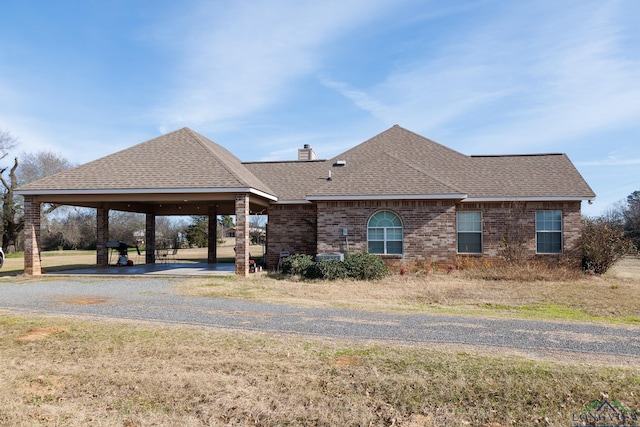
400, 195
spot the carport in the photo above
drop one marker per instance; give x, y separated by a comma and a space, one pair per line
180, 173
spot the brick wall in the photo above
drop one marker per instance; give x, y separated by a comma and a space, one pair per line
32, 265
516, 221
242, 234
291, 228
429, 229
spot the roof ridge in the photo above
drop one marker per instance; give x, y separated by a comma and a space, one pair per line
430, 140
518, 155
419, 169
209, 146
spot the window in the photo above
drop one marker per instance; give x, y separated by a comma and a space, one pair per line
469, 226
549, 232
385, 234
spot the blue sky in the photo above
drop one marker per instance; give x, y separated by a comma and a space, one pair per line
87, 78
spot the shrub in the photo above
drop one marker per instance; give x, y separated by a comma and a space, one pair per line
360, 266
332, 269
603, 243
364, 266
299, 265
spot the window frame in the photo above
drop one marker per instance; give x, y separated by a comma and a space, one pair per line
469, 232
385, 231
545, 227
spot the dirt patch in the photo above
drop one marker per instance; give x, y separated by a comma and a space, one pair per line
40, 333
83, 301
348, 360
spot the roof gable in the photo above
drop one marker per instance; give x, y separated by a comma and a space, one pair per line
182, 159
394, 163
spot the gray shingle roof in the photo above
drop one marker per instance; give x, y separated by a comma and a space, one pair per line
398, 162
532, 176
178, 160
394, 163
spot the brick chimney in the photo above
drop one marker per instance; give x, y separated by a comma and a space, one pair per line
306, 153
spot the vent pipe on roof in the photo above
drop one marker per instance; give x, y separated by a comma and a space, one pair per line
306, 153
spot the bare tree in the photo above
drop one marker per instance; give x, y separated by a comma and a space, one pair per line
76, 230
514, 242
631, 215
12, 223
35, 166
41, 165
7, 142
124, 225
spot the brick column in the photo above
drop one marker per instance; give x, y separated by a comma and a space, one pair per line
242, 234
102, 235
150, 239
212, 237
32, 266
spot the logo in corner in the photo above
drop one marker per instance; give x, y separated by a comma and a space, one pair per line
605, 413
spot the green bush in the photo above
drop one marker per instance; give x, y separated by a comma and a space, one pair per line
360, 266
332, 269
364, 266
603, 243
299, 265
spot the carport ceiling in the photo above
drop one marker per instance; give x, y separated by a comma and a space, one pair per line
158, 203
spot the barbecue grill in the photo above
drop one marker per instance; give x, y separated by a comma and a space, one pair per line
122, 249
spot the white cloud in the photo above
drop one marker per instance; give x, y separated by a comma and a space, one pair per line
530, 77
611, 160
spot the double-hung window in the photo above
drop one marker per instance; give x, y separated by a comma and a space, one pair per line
469, 227
384, 234
549, 232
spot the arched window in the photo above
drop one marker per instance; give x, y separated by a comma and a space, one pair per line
384, 233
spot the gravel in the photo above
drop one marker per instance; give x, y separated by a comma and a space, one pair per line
153, 299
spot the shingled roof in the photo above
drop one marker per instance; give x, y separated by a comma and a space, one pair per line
182, 160
398, 163
395, 164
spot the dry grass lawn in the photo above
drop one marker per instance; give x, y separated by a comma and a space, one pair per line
65, 372
555, 295
60, 371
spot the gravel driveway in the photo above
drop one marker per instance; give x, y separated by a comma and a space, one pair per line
153, 299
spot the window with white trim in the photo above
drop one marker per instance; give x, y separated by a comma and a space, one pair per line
469, 227
549, 232
384, 234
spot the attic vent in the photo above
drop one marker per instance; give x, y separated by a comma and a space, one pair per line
306, 153
340, 163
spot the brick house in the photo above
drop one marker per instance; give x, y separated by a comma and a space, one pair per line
398, 194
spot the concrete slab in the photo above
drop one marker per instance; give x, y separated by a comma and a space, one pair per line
158, 269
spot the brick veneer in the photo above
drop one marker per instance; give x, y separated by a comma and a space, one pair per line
242, 234
517, 220
429, 229
212, 235
150, 238
102, 236
32, 266
291, 228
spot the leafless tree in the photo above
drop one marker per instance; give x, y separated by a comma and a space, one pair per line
12, 222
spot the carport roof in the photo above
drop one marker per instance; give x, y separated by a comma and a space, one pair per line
180, 161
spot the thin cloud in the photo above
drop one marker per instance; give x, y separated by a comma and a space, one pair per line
520, 80
611, 161
245, 58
